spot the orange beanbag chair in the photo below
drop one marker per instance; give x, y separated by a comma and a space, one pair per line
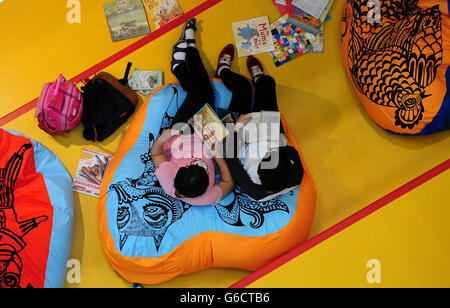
396, 53
36, 214
150, 237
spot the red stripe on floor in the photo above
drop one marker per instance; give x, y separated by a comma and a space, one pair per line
119, 55
295, 252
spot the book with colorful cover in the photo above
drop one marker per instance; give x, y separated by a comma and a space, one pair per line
161, 12
290, 42
126, 19
90, 172
208, 126
253, 36
316, 41
145, 82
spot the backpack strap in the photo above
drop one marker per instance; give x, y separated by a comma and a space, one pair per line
124, 80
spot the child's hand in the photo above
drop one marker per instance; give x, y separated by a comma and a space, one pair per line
241, 122
217, 150
168, 135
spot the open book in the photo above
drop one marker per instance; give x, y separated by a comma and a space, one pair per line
264, 125
208, 126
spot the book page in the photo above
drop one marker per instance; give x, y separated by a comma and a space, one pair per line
208, 126
270, 117
312, 7
251, 129
272, 120
264, 125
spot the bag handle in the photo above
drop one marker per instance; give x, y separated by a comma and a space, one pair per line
56, 88
124, 81
53, 102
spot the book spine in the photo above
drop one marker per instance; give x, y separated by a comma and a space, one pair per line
302, 25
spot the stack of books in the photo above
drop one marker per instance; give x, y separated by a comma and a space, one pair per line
302, 19
281, 40
129, 18
298, 31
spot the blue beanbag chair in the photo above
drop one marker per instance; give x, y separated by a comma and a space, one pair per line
150, 237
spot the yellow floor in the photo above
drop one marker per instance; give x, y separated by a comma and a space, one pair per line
353, 161
407, 241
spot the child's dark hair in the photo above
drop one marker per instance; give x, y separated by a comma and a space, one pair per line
192, 181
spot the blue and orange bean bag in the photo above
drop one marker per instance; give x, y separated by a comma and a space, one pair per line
36, 214
397, 54
150, 237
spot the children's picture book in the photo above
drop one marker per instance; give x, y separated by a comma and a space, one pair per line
145, 82
208, 126
90, 172
316, 41
253, 36
126, 19
264, 125
307, 22
161, 12
290, 42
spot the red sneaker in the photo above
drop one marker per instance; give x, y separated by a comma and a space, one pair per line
255, 68
226, 58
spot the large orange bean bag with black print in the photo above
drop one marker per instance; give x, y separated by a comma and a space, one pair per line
396, 53
150, 237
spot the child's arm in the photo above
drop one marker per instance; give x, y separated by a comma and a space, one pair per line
227, 184
157, 151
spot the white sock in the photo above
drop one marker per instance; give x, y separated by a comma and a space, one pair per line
189, 34
180, 55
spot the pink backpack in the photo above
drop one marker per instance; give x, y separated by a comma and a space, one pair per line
59, 107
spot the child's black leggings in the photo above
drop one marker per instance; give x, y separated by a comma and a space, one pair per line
241, 102
194, 79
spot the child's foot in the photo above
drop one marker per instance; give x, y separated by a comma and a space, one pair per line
255, 68
226, 58
188, 34
178, 54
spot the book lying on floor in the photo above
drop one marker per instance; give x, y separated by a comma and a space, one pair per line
161, 12
264, 125
208, 126
290, 42
310, 23
316, 41
145, 82
314, 8
253, 36
126, 19
90, 172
